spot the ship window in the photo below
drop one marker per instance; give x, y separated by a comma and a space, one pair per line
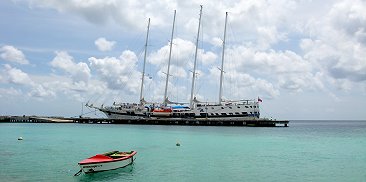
246, 107
212, 114
244, 113
230, 107
230, 113
237, 113
216, 114
224, 114
255, 106
222, 107
250, 106
212, 108
238, 106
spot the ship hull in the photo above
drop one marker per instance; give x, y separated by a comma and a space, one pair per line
105, 166
243, 110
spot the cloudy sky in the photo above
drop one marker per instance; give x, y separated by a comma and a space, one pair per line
305, 59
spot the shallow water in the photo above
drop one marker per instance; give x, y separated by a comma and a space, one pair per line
305, 151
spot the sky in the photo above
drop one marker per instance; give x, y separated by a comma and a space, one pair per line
305, 59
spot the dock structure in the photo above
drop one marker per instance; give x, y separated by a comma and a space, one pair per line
256, 122
188, 121
35, 119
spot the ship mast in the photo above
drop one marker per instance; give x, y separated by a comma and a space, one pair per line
195, 61
143, 70
170, 56
222, 61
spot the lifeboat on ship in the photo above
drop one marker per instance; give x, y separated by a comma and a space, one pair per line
162, 112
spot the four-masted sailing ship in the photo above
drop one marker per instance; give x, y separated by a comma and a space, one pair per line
223, 109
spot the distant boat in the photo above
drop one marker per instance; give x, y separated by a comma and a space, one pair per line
107, 161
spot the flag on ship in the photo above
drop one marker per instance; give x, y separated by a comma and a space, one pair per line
259, 100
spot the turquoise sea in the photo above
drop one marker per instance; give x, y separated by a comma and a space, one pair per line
304, 151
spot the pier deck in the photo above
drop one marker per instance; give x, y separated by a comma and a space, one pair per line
189, 121
262, 122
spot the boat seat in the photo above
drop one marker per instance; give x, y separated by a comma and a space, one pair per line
119, 155
110, 153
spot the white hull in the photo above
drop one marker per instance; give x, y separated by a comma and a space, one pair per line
121, 112
105, 166
121, 116
246, 109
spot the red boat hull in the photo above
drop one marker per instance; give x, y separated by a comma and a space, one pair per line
103, 162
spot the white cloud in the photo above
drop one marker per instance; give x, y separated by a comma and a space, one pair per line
337, 46
258, 13
175, 71
118, 73
182, 51
39, 91
249, 59
16, 76
79, 72
208, 57
124, 13
268, 36
217, 42
266, 23
12, 54
245, 83
266, 88
103, 44
54, 86
10, 92
285, 69
240, 85
182, 55
350, 17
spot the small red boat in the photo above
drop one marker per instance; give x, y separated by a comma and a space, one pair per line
106, 161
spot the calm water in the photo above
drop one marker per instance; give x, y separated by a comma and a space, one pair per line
305, 151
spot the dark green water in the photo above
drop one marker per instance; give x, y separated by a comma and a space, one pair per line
305, 151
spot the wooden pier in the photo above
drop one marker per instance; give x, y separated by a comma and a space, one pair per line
262, 122
188, 121
35, 119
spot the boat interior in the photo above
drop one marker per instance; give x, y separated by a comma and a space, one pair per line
117, 154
